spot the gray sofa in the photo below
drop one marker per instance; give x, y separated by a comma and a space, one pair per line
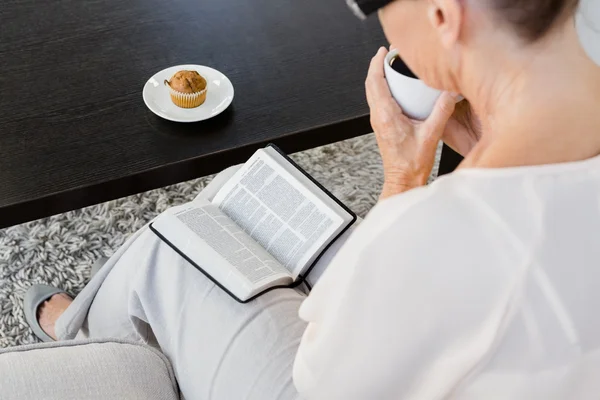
86, 370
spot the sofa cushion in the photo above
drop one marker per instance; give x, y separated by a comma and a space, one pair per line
86, 370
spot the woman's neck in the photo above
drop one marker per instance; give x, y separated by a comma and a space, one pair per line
542, 106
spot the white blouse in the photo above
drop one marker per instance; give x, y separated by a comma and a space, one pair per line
484, 285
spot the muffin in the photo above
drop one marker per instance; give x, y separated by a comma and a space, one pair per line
188, 89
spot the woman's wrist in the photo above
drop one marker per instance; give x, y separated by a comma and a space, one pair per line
395, 185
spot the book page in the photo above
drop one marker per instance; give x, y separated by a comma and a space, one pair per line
278, 212
211, 239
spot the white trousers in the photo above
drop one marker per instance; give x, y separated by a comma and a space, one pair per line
220, 349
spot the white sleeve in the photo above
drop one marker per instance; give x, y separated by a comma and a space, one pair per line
411, 304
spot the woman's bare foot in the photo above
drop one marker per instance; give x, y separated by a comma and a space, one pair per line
49, 311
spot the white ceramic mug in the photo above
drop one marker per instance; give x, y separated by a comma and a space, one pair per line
414, 97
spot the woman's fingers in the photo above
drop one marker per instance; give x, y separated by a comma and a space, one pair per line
385, 111
376, 86
463, 130
435, 124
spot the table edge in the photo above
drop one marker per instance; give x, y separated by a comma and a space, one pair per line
181, 171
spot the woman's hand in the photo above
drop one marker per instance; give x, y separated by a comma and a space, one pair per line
463, 130
407, 147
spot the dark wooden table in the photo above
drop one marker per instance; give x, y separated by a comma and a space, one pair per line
449, 161
74, 130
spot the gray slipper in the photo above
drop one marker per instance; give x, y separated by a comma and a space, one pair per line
34, 297
97, 265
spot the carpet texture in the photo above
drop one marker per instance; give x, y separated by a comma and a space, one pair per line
59, 250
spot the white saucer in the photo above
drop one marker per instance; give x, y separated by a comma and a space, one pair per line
218, 98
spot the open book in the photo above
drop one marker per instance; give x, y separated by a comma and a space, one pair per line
265, 228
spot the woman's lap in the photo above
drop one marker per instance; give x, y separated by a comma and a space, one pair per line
219, 348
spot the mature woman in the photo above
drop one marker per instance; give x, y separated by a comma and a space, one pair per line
483, 285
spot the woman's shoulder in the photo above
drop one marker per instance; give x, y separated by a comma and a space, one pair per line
452, 227
428, 237
455, 211
504, 210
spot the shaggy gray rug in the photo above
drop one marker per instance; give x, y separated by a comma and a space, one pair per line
59, 250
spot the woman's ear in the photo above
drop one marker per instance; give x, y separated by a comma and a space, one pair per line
446, 17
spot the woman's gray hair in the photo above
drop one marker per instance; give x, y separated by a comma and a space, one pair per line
532, 19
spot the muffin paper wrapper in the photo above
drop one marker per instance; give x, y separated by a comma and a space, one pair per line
187, 100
